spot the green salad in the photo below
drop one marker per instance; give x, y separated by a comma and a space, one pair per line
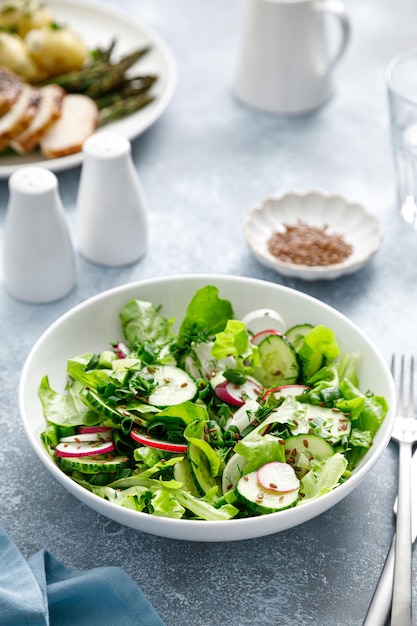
221, 419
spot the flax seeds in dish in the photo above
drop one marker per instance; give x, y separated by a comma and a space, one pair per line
303, 244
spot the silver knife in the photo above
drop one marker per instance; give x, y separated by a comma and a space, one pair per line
380, 607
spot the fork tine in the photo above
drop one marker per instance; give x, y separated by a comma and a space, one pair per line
410, 411
398, 380
405, 433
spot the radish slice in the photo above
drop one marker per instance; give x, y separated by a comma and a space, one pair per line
100, 436
284, 391
263, 319
84, 448
121, 350
277, 476
167, 446
238, 394
244, 415
263, 334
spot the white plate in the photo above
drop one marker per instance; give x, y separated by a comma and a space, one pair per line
358, 227
93, 323
98, 25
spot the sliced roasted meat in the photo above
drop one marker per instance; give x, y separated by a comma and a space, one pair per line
48, 112
10, 88
18, 118
78, 120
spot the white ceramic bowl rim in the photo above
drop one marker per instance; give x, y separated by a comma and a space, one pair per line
199, 530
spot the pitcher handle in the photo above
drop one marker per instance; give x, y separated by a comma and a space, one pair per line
337, 9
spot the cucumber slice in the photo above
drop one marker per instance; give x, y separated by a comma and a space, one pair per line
278, 362
300, 450
233, 471
106, 412
105, 359
94, 465
121, 365
261, 500
296, 334
174, 386
330, 424
200, 470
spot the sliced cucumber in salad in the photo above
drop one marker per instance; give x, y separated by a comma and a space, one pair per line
94, 465
296, 334
173, 386
279, 363
222, 419
263, 500
302, 450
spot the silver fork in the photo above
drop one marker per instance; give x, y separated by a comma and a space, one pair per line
380, 607
405, 434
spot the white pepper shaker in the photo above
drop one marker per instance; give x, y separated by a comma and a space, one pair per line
38, 256
112, 225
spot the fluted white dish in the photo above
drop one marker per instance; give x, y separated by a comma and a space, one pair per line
359, 228
92, 324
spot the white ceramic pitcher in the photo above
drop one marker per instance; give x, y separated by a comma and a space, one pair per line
285, 63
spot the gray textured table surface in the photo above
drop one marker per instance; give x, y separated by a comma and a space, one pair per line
205, 162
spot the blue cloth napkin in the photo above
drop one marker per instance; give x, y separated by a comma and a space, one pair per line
43, 592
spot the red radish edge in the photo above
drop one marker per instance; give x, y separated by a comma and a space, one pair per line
224, 391
263, 334
283, 391
121, 350
63, 450
147, 440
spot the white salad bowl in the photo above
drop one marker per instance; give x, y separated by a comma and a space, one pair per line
351, 220
94, 324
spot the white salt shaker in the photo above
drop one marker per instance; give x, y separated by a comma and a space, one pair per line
112, 225
38, 256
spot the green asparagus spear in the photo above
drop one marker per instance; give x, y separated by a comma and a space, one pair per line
122, 108
115, 74
133, 87
107, 73
103, 55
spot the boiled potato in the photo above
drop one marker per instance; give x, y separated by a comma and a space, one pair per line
21, 16
56, 49
14, 56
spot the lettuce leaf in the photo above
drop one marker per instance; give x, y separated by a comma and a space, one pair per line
92, 378
318, 348
194, 433
162, 498
142, 323
260, 451
324, 477
233, 341
65, 409
206, 313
